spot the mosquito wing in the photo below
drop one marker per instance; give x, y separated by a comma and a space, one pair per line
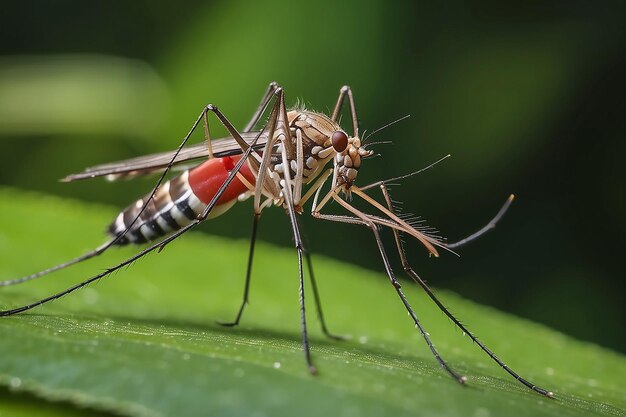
149, 164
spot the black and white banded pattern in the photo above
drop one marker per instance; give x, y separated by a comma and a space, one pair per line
174, 205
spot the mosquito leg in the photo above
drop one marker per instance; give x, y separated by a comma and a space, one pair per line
491, 225
88, 255
246, 290
269, 93
318, 303
267, 96
346, 91
459, 378
278, 112
300, 249
288, 204
363, 219
207, 134
413, 275
272, 90
305, 337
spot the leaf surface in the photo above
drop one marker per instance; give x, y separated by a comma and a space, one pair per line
144, 342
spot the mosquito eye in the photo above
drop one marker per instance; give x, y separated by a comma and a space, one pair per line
340, 141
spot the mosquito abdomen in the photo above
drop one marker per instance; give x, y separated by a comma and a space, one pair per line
180, 201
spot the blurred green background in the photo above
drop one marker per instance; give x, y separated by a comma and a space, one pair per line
528, 97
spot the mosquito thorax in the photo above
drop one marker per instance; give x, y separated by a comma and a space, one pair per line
325, 140
322, 139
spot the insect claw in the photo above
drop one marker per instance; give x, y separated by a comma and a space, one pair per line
339, 337
227, 324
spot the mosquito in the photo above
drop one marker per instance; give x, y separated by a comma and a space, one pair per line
286, 163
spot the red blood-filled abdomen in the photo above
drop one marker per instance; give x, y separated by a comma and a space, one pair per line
206, 179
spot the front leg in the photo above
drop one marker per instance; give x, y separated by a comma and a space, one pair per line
365, 219
416, 278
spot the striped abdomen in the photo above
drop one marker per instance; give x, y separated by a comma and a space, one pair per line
180, 201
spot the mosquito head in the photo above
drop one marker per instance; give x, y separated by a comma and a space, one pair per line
348, 158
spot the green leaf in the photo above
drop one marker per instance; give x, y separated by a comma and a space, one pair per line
144, 341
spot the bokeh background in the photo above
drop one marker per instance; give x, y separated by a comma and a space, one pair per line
528, 97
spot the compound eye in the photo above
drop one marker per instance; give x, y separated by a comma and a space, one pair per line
340, 141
